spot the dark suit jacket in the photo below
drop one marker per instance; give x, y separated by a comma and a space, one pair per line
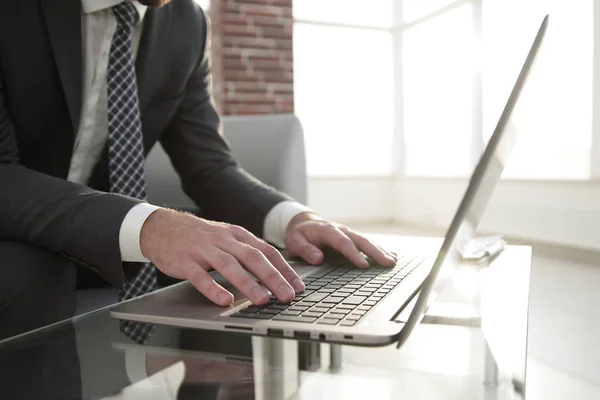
40, 102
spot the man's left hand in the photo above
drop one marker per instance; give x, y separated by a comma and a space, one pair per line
307, 233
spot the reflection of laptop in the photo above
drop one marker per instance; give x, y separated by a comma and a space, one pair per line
203, 374
343, 304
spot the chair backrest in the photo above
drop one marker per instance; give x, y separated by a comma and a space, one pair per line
270, 147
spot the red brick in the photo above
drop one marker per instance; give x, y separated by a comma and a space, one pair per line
270, 65
235, 75
249, 9
270, 21
273, 32
248, 42
234, 19
253, 56
235, 65
250, 109
280, 87
240, 30
244, 86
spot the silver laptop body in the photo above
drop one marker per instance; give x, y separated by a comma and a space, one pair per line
374, 324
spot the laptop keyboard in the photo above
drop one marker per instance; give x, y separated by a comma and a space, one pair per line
338, 296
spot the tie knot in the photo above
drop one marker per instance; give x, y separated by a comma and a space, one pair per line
126, 14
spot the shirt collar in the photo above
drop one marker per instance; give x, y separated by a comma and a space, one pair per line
91, 6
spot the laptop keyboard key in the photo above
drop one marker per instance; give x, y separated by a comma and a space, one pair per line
279, 307
340, 294
304, 294
326, 290
292, 312
312, 314
292, 318
348, 323
333, 300
255, 307
321, 273
352, 286
341, 310
328, 321
298, 308
315, 297
363, 293
269, 311
354, 300
372, 285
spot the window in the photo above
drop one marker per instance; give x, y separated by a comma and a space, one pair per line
438, 93
554, 116
343, 91
346, 62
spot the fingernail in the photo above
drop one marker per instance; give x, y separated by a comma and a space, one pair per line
224, 299
259, 295
298, 285
285, 292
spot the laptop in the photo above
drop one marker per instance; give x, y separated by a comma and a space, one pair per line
341, 304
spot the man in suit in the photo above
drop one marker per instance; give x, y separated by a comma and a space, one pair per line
86, 89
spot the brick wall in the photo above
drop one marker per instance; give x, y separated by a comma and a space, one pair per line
252, 57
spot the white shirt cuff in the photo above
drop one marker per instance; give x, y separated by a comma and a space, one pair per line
278, 219
129, 234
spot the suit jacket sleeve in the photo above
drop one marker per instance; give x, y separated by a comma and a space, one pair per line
55, 214
202, 158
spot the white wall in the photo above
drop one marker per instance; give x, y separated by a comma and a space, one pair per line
352, 200
565, 213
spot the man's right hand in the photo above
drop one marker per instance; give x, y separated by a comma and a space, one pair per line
187, 247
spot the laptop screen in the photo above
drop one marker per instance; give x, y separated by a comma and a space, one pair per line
479, 191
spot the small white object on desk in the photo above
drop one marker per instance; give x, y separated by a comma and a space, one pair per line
483, 249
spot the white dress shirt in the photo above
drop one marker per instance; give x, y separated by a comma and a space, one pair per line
98, 27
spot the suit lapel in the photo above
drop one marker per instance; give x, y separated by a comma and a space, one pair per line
63, 20
154, 43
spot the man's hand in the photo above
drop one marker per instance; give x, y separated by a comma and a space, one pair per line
186, 247
307, 232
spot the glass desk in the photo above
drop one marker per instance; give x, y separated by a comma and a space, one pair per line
471, 346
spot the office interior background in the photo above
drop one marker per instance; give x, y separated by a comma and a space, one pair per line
398, 98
